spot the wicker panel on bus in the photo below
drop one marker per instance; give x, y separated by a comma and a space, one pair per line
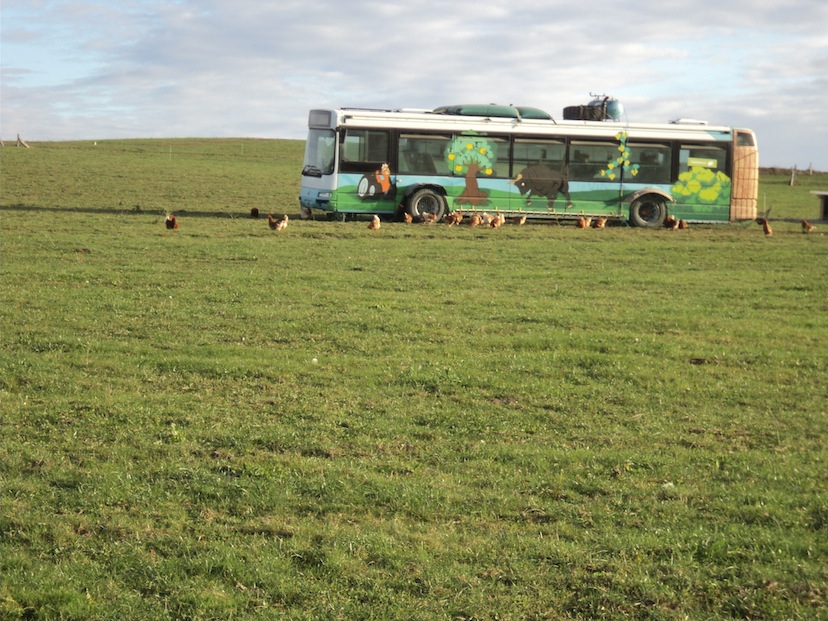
745, 183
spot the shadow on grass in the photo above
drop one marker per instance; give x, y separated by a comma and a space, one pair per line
139, 211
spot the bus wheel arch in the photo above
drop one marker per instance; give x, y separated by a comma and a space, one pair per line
426, 199
648, 207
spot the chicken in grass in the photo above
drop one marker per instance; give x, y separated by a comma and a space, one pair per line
807, 227
519, 220
683, 225
171, 222
254, 212
766, 227
475, 220
671, 223
599, 223
429, 218
455, 217
374, 224
582, 222
407, 218
277, 225
497, 221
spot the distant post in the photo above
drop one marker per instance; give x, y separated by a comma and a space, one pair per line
21, 142
793, 175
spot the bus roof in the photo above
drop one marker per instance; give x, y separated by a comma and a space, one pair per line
457, 123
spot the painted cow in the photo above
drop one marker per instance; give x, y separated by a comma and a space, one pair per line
542, 181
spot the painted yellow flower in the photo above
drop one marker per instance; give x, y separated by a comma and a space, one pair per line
458, 168
709, 195
470, 146
489, 171
483, 150
452, 157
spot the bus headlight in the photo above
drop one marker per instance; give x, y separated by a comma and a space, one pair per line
325, 195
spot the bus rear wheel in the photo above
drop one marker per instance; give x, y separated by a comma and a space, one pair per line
426, 201
648, 211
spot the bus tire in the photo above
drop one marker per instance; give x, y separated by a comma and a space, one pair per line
425, 201
648, 211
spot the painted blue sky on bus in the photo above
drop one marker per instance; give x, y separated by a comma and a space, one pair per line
94, 69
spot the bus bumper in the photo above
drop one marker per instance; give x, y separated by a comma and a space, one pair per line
316, 199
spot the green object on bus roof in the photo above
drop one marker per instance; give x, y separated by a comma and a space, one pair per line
494, 110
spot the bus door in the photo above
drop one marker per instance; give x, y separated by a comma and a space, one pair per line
595, 177
367, 181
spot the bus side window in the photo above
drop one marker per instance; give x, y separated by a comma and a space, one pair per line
528, 152
422, 154
363, 150
653, 161
587, 161
707, 156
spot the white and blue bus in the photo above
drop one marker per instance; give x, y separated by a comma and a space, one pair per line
522, 161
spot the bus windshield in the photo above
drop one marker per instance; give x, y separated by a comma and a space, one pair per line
319, 153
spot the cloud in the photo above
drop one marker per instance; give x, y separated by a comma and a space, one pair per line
93, 69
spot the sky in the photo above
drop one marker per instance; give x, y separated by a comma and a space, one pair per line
98, 69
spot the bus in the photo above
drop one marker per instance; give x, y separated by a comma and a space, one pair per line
521, 161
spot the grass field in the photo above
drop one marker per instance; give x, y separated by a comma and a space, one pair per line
420, 422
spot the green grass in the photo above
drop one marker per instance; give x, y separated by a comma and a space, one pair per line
533, 422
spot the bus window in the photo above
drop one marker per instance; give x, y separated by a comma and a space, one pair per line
534, 151
364, 150
702, 156
745, 139
654, 161
588, 159
319, 153
422, 154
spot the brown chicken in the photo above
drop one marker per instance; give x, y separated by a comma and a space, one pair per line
807, 227
455, 217
277, 225
599, 223
766, 227
683, 225
519, 220
170, 222
671, 223
475, 220
429, 218
254, 213
374, 224
581, 223
407, 218
497, 221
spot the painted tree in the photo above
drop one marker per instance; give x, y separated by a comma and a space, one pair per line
471, 156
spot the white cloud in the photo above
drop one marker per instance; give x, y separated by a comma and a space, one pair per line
93, 69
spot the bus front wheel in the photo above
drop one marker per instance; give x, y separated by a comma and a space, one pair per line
426, 201
648, 211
